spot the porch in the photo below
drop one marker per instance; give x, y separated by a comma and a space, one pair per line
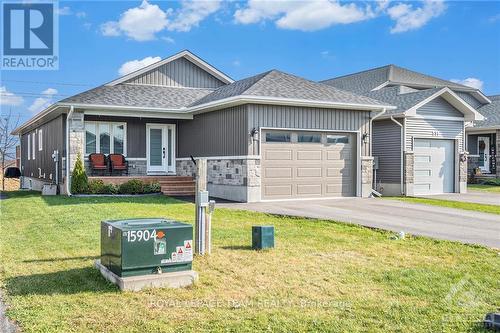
170, 185
483, 158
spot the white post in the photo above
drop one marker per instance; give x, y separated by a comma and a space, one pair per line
201, 186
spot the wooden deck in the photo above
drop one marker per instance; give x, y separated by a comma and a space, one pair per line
170, 185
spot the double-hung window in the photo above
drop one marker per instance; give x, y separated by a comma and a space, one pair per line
105, 137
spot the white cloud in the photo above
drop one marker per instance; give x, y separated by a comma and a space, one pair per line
408, 17
236, 63
169, 40
320, 14
64, 11
144, 22
305, 15
470, 82
133, 65
9, 98
43, 102
139, 23
81, 14
192, 13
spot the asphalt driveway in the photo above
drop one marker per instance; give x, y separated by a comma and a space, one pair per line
418, 219
471, 196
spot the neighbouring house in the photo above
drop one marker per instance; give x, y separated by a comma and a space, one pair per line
267, 137
420, 146
483, 140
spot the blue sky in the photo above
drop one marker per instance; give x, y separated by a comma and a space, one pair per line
317, 40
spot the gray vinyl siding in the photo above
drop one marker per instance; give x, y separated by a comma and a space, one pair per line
53, 134
136, 131
309, 118
471, 100
472, 143
387, 147
178, 73
218, 133
432, 128
439, 107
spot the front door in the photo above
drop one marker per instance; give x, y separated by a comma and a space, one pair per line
160, 151
483, 143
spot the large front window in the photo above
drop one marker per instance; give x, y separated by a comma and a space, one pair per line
105, 137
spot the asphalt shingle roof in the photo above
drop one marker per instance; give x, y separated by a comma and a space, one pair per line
491, 113
404, 101
139, 95
368, 80
277, 84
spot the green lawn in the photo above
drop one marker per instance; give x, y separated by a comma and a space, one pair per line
322, 276
484, 188
492, 209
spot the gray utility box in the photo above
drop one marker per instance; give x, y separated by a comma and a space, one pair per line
146, 246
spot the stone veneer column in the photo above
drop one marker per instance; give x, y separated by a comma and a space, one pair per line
462, 173
366, 176
409, 163
497, 152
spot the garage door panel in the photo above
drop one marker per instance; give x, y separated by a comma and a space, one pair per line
434, 166
314, 189
278, 155
278, 172
308, 170
312, 155
278, 190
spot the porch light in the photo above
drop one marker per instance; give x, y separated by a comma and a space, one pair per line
254, 133
366, 138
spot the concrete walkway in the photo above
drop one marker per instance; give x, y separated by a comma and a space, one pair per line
418, 219
472, 196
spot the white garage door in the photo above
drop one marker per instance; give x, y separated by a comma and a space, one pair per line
299, 164
434, 166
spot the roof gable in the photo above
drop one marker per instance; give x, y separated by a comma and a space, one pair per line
183, 69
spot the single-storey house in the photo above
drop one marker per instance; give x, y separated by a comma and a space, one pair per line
420, 146
272, 136
483, 140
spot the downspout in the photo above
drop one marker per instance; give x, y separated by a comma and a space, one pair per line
68, 177
371, 145
401, 155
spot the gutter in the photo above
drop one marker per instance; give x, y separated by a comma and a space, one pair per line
68, 176
384, 110
401, 155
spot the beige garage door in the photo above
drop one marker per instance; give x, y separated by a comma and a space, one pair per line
298, 164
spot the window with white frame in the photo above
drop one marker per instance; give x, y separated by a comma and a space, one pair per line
29, 147
40, 140
105, 137
33, 144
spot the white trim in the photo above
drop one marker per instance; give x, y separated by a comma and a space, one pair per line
183, 54
238, 157
40, 139
170, 153
469, 112
306, 130
143, 114
29, 147
33, 145
438, 118
246, 99
479, 130
381, 86
111, 125
303, 199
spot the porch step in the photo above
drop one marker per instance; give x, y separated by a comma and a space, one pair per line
177, 185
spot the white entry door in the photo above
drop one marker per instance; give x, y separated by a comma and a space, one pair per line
160, 151
434, 166
483, 148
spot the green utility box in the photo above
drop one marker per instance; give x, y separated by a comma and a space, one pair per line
146, 246
262, 237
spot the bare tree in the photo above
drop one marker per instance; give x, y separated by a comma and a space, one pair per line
8, 141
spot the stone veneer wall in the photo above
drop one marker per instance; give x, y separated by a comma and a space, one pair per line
497, 152
231, 179
462, 173
366, 176
408, 174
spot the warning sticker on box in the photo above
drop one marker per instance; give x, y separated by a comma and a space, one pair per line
188, 250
